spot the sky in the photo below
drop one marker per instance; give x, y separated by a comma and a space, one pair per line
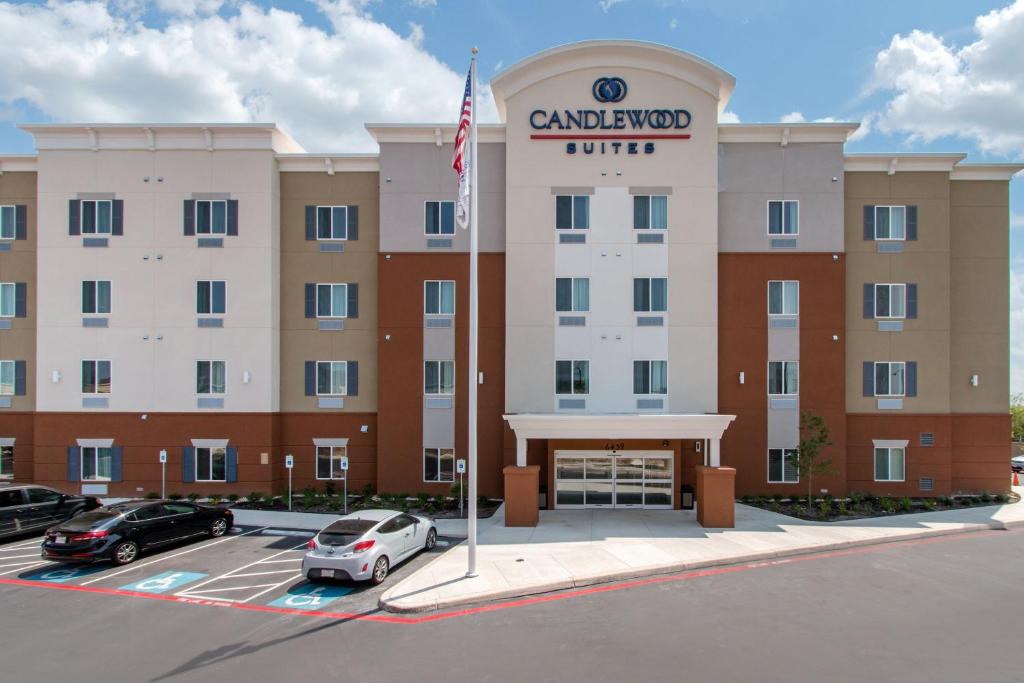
920, 75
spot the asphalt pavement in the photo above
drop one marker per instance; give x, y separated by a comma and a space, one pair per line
943, 609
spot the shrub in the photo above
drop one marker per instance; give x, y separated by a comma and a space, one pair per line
192, 497
799, 510
482, 500
232, 498
887, 505
856, 497
946, 500
966, 501
748, 499
152, 495
255, 497
175, 496
906, 504
841, 508
368, 490
1002, 498
824, 509
422, 499
928, 504
985, 497
277, 500
778, 497
334, 503
309, 498
215, 499
775, 506
330, 488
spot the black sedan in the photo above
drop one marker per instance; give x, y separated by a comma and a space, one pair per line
120, 532
24, 509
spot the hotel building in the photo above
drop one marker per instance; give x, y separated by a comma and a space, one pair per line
661, 298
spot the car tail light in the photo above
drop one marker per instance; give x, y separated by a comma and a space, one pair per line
312, 544
95, 501
363, 546
87, 536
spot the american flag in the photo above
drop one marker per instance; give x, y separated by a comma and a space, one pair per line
460, 160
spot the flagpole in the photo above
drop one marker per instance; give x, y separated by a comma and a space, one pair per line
473, 326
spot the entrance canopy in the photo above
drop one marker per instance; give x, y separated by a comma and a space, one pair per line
618, 427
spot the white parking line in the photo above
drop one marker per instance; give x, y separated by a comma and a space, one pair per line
276, 571
22, 568
288, 580
289, 559
18, 557
234, 588
20, 564
168, 557
21, 546
198, 590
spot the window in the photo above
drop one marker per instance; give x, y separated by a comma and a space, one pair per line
572, 212
7, 378
211, 217
439, 297
650, 294
332, 222
572, 376
8, 307
889, 464
783, 378
783, 217
650, 212
439, 377
890, 379
148, 512
890, 222
210, 377
95, 296
328, 462
179, 508
6, 462
97, 464
332, 301
782, 466
211, 297
783, 297
572, 294
8, 219
439, 218
97, 216
96, 378
438, 464
331, 378
42, 496
650, 377
211, 464
890, 301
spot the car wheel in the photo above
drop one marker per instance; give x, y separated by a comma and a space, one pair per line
219, 527
431, 540
380, 570
125, 552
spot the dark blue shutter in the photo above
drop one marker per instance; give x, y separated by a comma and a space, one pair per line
190, 218
869, 300
231, 457
74, 217
20, 300
869, 223
310, 299
188, 465
353, 223
116, 464
911, 300
353, 300
310, 222
869, 378
232, 216
352, 380
74, 463
20, 222
910, 380
310, 378
911, 223
117, 217
19, 378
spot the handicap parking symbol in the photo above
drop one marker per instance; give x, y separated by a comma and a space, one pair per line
62, 573
310, 596
161, 583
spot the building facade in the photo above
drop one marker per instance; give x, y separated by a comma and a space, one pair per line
660, 294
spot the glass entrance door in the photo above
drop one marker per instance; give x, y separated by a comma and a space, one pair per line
595, 479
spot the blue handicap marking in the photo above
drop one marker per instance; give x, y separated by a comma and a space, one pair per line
161, 583
309, 596
63, 573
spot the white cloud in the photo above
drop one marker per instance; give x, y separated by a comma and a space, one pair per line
189, 7
728, 117
606, 5
974, 92
84, 61
792, 117
673, 24
1017, 221
423, 3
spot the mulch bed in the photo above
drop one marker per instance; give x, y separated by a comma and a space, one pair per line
331, 505
865, 507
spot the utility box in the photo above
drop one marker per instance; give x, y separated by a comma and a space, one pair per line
686, 497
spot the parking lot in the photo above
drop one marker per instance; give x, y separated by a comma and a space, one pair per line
257, 569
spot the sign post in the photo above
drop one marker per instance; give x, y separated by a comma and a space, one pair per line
289, 463
460, 467
163, 473
344, 468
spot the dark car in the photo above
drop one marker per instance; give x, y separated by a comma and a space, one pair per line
1017, 463
34, 508
120, 532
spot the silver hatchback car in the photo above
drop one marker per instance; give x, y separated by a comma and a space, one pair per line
365, 545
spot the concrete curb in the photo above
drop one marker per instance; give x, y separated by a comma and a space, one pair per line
387, 600
315, 521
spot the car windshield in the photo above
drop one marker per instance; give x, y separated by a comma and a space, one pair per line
345, 531
94, 519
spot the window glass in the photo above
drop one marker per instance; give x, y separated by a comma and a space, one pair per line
783, 378
11, 498
7, 222
641, 377
211, 464
7, 299
659, 212
42, 496
439, 377
581, 212
331, 378
174, 508
783, 297
439, 296
783, 217
572, 377
641, 212
897, 222
148, 512
6, 461
210, 377
881, 464
97, 464
563, 294
889, 379
782, 466
659, 377
328, 462
96, 377
339, 222
563, 212
331, 300
438, 464
7, 378
439, 218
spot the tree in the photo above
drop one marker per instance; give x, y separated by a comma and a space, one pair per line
1017, 416
814, 440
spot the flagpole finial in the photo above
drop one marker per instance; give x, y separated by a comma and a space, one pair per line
475, 50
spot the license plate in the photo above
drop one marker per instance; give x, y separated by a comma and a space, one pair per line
327, 573
61, 539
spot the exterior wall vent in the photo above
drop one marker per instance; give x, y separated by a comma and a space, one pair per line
927, 484
927, 438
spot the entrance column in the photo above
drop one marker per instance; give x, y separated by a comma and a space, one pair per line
522, 489
716, 491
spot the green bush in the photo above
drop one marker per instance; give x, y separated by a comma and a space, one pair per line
368, 490
887, 504
747, 500
152, 495
856, 497
966, 501
175, 496
906, 504
985, 497
215, 499
309, 498
330, 488
799, 510
232, 498
841, 508
192, 497
775, 506
1002, 498
778, 497
422, 499
255, 497
334, 503
928, 504
824, 509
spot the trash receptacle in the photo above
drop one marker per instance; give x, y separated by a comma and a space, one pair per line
686, 497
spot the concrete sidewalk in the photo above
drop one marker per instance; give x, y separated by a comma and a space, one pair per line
315, 521
574, 548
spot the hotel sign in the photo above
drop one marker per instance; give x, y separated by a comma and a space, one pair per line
610, 131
